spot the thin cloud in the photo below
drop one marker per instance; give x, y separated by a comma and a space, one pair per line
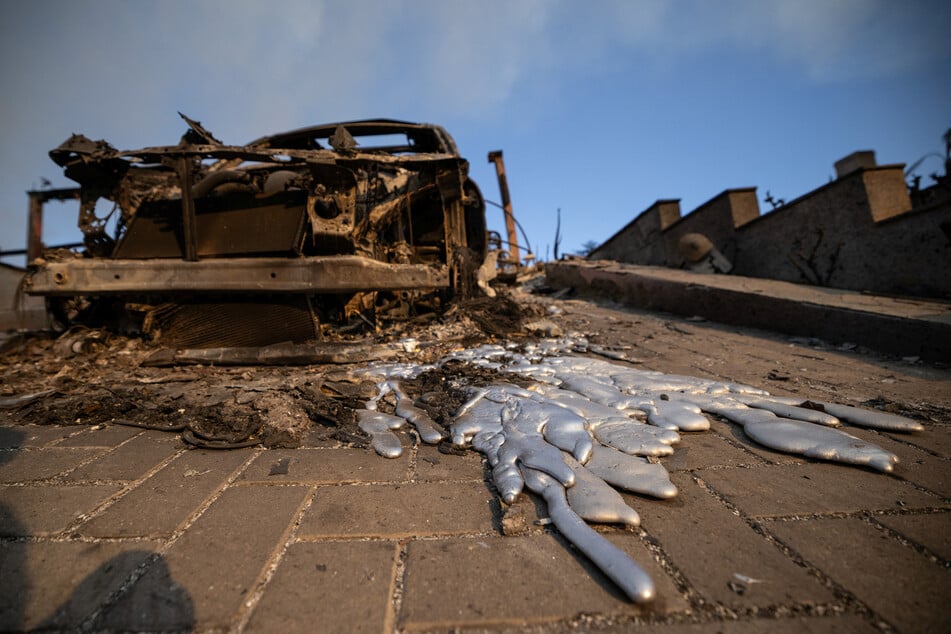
119, 70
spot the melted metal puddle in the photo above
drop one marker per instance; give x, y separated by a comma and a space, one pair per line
587, 427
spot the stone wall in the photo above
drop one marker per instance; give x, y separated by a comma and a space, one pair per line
857, 232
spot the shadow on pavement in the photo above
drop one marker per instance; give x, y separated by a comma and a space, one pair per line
164, 606
154, 602
13, 586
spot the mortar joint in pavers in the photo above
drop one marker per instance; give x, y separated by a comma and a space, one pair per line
89, 623
259, 587
897, 536
398, 586
118, 495
737, 445
760, 528
198, 512
109, 451
843, 596
656, 548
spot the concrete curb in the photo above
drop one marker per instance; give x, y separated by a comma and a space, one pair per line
906, 327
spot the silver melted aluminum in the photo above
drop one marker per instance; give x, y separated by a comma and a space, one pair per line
587, 425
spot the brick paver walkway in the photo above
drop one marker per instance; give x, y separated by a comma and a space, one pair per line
117, 528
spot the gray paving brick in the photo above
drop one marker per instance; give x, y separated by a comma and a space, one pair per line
100, 436
933, 531
813, 488
400, 510
914, 465
132, 460
323, 466
158, 505
897, 583
216, 562
47, 510
329, 587
57, 584
433, 465
482, 581
703, 450
33, 436
935, 437
709, 544
26, 465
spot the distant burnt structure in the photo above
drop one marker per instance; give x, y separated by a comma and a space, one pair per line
867, 230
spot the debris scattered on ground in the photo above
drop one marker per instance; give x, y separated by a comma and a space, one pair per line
513, 520
281, 467
741, 584
216, 406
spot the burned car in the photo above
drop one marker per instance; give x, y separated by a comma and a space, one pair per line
208, 244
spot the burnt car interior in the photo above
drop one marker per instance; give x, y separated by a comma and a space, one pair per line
331, 226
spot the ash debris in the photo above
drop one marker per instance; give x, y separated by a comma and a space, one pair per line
94, 376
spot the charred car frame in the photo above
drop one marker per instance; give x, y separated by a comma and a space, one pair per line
268, 241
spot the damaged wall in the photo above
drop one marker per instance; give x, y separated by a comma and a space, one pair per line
858, 232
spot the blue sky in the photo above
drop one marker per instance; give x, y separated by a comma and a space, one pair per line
601, 107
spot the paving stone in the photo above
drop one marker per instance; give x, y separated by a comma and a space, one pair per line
216, 563
33, 436
105, 436
57, 584
709, 544
896, 582
933, 531
705, 449
473, 581
42, 509
132, 460
813, 488
25, 465
329, 587
797, 625
400, 510
914, 465
159, 504
327, 466
433, 465
935, 437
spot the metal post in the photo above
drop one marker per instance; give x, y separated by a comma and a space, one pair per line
496, 157
34, 230
188, 209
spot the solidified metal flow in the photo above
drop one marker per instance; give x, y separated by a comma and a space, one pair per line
580, 430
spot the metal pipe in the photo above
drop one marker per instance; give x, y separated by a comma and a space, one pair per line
496, 157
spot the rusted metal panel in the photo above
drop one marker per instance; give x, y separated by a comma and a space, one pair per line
273, 227
241, 322
318, 274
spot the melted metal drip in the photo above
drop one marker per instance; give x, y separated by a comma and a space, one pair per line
378, 425
594, 500
612, 561
581, 427
824, 443
631, 473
